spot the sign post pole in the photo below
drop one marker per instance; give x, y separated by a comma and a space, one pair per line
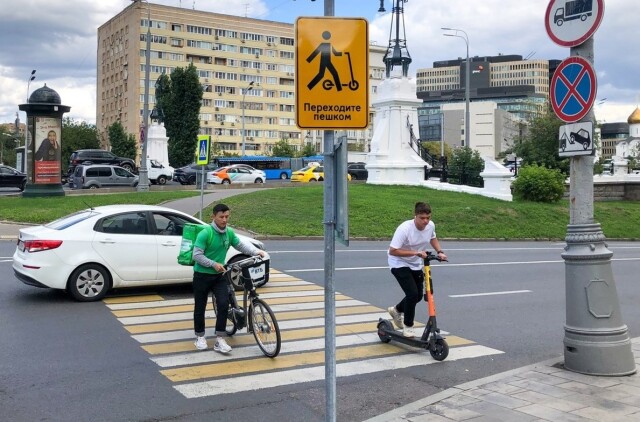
596, 341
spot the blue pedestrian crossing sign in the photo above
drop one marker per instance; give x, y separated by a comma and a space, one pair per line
573, 89
202, 153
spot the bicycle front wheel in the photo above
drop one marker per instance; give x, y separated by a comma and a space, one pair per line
265, 328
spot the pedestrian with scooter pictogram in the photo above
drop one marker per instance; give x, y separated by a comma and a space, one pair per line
325, 50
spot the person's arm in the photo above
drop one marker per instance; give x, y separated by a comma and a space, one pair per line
247, 248
436, 245
406, 252
200, 258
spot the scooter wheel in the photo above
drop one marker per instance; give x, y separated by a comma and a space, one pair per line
384, 327
440, 351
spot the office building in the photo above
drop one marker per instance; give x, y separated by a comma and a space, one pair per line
230, 52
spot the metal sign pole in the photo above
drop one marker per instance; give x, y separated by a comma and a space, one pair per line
201, 192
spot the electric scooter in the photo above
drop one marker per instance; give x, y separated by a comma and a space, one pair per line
353, 84
431, 338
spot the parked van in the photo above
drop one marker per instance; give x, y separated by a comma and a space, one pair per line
97, 176
158, 173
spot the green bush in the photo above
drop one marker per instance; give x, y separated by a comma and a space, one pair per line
465, 167
538, 184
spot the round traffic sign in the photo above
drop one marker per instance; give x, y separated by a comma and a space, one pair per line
573, 89
571, 22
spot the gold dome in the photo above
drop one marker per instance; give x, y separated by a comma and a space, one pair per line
635, 117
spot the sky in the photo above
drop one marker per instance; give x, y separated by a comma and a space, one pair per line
58, 39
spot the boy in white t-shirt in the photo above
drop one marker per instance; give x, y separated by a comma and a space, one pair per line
406, 253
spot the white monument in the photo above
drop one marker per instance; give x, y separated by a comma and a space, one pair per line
158, 142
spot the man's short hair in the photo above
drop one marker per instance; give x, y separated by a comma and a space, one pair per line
219, 208
422, 208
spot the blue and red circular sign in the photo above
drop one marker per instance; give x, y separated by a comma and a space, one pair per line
571, 22
573, 89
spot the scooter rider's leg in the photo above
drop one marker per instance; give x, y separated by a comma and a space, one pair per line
410, 287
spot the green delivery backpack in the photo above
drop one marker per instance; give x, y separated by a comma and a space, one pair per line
189, 234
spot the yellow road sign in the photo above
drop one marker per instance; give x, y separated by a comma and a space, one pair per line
332, 73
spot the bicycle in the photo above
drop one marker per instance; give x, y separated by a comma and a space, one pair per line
254, 313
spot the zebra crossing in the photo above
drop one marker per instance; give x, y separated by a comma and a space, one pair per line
164, 329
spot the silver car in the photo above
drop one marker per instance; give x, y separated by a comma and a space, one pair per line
99, 175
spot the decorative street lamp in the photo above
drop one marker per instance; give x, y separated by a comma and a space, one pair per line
466, 82
31, 78
244, 92
143, 184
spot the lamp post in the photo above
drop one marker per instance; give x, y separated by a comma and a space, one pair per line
143, 183
244, 92
467, 81
31, 77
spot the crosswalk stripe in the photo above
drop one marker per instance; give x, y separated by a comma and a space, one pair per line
129, 298
235, 341
252, 351
282, 316
179, 316
313, 296
295, 376
226, 369
284, 325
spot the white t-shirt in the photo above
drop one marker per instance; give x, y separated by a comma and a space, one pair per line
407, 236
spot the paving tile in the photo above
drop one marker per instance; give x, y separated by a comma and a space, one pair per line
581, 388
598, 414
504, 400
539, 387
613, 408
427, 417
544, 378
453, 413
549, 414
548, 401
589, 379
475, 392
458, 400
501, 387
626, 389
498, 413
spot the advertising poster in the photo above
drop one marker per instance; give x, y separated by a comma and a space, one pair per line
47, 167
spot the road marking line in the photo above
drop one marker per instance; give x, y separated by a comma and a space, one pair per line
267, 380
179, 316
127, 299
285, 325
511, 292
252, 350
282, 316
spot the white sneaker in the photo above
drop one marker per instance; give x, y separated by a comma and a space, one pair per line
408, 332
221, 346
201, 343
397, 317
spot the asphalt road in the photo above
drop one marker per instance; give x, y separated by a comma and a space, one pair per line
62, 360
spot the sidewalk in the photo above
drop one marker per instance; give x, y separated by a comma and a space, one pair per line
540, 392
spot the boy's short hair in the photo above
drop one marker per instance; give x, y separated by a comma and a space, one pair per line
422, 208
219, 208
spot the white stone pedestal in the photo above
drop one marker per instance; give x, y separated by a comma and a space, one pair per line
158, 147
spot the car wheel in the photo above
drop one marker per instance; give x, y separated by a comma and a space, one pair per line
283, 176
89, 283
312, 180
128, 167
354, 177
192, 180
93, 186
135, 184
161, 180
226, 181
585, 145
321, 179
258, 180
22, 185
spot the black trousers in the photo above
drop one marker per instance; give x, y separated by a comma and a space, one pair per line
216, 284
411, 282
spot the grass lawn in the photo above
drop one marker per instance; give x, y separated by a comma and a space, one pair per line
374, 212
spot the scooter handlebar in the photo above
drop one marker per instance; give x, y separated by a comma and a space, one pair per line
431, 257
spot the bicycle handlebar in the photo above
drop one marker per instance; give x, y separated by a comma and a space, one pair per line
247, 262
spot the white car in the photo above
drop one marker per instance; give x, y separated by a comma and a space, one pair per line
97, 249
238, 173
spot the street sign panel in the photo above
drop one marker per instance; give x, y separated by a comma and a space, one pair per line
573, 89
571, 22
202, 152
332, 73
576, 139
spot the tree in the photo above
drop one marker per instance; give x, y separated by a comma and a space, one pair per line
283, 149
122, 144
179, 98
77, 135
8, 143
540, 145
465, 167
308, 151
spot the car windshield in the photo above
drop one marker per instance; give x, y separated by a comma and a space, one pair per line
71, 219
308, 167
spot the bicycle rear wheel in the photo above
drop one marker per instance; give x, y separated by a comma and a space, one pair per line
265, 328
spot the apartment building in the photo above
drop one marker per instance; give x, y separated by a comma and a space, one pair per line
230, 53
